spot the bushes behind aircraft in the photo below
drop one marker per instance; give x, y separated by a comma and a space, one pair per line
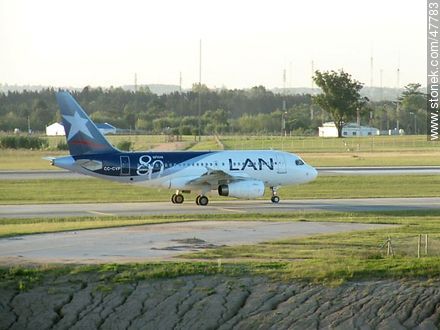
23, 142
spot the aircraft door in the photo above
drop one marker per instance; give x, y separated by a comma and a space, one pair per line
125, 165
281, 164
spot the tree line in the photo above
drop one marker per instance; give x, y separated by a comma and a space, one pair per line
253, 111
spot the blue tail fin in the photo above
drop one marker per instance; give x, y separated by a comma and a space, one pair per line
82, 135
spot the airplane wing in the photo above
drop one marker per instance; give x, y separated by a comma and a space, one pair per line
216, 177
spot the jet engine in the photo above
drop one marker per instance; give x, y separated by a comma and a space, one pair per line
247, 189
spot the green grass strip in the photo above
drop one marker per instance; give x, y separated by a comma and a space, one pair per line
92, 190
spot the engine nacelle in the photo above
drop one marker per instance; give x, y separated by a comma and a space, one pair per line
247, 189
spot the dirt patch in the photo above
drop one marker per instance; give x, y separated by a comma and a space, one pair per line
189, 244
218, 302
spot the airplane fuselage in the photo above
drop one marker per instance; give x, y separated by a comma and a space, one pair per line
239, 173
171, 169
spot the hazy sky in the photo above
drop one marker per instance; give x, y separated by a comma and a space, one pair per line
244, 43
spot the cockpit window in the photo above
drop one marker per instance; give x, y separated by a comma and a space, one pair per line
299, 162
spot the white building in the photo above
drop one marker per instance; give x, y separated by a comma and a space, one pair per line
349, 130
55, 129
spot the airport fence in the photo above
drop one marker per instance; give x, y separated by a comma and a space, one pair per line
319, 144
416, 245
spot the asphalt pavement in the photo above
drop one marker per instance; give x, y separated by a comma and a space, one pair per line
216, 207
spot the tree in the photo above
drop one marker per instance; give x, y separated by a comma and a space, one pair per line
413, 113
41, 115
340, 96
216, 121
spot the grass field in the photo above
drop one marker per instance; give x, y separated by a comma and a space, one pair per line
362, 151
330, 258
92, 190
346, 256
317, 144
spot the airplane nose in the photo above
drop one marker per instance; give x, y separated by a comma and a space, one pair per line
312, 173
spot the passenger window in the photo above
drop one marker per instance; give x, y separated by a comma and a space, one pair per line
299, 162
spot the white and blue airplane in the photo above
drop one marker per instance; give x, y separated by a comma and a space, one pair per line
241, 174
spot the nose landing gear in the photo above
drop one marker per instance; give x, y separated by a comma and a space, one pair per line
275, 198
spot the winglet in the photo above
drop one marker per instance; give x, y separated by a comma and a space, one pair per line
82, 135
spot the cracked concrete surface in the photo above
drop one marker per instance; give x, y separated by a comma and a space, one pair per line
219, 302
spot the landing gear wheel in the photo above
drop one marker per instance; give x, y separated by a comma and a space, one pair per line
173, 198
178, 199
202, 200
275, 199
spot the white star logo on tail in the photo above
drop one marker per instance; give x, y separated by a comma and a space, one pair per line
77, 124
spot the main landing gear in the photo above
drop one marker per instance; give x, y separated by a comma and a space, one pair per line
178, 198
202, 200
275, 198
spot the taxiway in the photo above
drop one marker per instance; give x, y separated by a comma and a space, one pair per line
216, 207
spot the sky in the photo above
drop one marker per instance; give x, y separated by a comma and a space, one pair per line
244, 43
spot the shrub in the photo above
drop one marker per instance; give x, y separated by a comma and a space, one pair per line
23, 142
124, 145
62, 146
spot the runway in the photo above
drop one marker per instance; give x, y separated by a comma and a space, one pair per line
378, 170
216, 207
323, 171
160, 241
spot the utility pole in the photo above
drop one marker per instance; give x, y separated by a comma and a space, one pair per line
397, 101
381, 84
200, 91
283, 119
312, 115
371, 72
290, 85
284, 90
135, 83
180, 95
